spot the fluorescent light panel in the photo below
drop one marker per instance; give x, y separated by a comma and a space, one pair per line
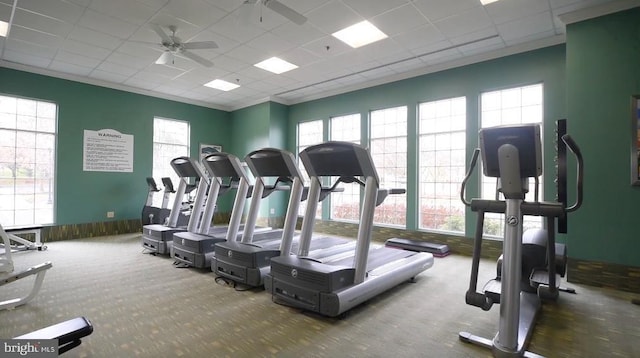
222, 85
276, 65
360, 34
485, 2
4, 28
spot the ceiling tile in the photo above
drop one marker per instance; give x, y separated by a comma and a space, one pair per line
33, 36
26, 59
333, 16
144, 51
84, 49
117, 69
164, 72
326, 47
298, 34
133, 12
56, 9
75, 59
270, 44
436, 10
479, 35
132, 61
247, 55
92, 37
465, 22
399, 20
229, 64
369, 9
493, 43
525, 27
195, 12
506, 11
69, 68
107, 25
108, 76
233, 29
5, 12
300, 57
419, 37
41, 23
29, 48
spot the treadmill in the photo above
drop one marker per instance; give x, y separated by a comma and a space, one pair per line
335, 285
248, 261
195, 247
158, 238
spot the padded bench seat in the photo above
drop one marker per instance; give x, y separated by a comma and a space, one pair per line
68, 333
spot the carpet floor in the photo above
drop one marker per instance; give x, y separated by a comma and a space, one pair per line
143, 306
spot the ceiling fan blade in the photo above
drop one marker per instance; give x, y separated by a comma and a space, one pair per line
285, 11
165, 58
163, 35
199, 45
199, 59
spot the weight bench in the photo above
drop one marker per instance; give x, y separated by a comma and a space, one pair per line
68, 333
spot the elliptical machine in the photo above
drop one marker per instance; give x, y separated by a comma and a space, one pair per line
513, 154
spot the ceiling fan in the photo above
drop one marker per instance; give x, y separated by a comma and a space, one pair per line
173, 45
281, 9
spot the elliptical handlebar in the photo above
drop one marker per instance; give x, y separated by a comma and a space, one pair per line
472, 165
573, 147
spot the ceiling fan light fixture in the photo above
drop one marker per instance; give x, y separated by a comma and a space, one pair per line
4, 29
221, 85
165, 58
360, 34
276, 65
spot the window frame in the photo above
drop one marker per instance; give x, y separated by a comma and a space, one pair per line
51, 131
398, 199
453, 129
350, 190
528, 222
299, 148
158, 173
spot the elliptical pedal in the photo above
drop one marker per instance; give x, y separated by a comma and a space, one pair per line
492, 289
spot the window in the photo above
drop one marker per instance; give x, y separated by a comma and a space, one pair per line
170, 140
510, 106
346, 205
389, 152
309, 133
442, 164
27, 161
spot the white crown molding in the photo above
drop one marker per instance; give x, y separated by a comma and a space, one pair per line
507, 51
100, 83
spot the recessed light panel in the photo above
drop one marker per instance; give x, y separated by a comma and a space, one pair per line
4, 28
485, 2
222, 85
276, 65
360, 34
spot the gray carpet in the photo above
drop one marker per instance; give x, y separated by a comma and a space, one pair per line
142, 306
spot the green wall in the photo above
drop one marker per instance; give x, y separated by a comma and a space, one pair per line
83, 197
260, 126
545, 66
603, 72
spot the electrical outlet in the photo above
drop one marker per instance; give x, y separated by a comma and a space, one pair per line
272, 211
111, 214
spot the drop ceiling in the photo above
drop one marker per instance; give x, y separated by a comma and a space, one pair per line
111, 43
